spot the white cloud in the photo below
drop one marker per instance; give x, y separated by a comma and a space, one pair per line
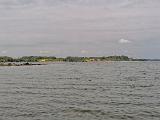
3, 51
124, 41
44, 52
84, 51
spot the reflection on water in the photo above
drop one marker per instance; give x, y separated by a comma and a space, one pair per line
81, 91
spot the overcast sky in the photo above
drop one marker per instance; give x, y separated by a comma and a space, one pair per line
80, 28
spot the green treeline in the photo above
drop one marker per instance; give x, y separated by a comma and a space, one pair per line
67, 59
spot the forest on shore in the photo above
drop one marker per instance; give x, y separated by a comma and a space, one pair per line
67, 59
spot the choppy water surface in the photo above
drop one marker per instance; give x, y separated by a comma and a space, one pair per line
81, 91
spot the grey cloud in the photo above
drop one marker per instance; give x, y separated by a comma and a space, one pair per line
68, 27
108, 3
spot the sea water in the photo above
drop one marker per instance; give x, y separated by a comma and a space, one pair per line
81, 91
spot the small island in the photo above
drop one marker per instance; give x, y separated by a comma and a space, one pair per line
43, 60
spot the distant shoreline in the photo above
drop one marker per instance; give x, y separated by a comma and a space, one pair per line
20, 64
47, 63
43, 60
